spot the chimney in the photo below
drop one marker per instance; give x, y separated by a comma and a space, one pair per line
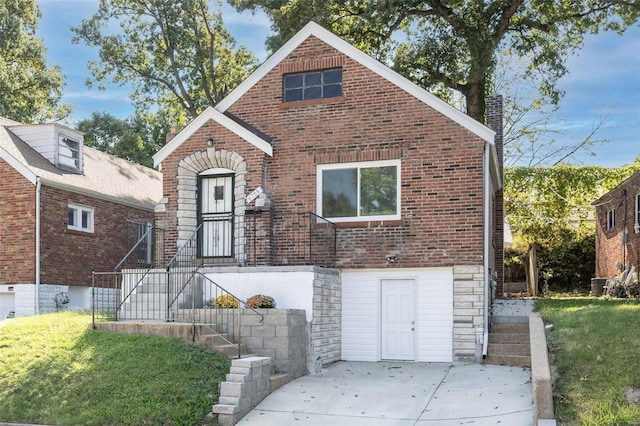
495, 121
172, 133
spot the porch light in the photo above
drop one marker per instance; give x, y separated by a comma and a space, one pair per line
210, 142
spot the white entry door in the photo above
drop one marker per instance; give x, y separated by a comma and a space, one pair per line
398, 319
216, 216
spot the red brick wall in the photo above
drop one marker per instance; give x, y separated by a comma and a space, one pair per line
17, 227
68, 257
441, 201
609, 246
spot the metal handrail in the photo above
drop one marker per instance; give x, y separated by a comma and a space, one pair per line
179, 251
140, 240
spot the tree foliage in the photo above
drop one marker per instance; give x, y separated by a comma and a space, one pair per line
30, 90
552, 208
135, 139
176, 53
455, 44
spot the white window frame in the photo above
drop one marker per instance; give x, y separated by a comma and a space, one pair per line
637, 209
359, 165
611, 219
78, 210
62, 136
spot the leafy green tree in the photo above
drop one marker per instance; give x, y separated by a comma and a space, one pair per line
135, 139
176, 53
551, 208
455, 44
30, 90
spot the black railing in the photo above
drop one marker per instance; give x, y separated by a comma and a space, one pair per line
289, 238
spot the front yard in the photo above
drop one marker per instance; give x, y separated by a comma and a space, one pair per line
55, 370
594, 347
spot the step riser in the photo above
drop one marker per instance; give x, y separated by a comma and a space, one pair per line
509, 349
513, 360
508, 338
510, 328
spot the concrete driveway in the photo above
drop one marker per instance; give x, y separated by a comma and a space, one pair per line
397, 393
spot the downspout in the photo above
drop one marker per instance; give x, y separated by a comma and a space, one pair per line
487, 240
37, 295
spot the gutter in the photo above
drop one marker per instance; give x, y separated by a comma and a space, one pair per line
487, 240
37, 295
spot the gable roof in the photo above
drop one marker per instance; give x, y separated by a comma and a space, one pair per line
220, 118
606, 197
313, 29
104, 175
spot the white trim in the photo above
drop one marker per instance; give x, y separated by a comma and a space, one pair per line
199, 121
18, 166
313, 29
38, 253
359, 165
637, 218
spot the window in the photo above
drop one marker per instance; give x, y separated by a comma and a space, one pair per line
68, 153
312, 85
611, 219
359, 191
637, 209
80, 218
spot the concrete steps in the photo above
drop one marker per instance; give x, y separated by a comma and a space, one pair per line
509, 344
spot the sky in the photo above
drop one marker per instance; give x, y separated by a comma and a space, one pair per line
602, 88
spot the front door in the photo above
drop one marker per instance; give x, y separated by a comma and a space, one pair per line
398, 321
215, 206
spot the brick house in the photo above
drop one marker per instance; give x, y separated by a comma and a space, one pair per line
66, 210
333, 184
618, 228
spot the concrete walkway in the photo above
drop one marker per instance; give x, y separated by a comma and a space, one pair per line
401, 393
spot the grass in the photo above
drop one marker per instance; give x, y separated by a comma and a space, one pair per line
595, 352
54, 369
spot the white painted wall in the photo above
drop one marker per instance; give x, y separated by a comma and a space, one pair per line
291, 290
361, 322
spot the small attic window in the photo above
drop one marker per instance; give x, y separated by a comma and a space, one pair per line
312, 85
69, 153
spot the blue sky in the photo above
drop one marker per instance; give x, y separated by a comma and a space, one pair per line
603, 84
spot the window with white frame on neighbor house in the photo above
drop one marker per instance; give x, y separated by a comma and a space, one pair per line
69, 152
359, 191
312, 85
638, 209
611, 219
80, 218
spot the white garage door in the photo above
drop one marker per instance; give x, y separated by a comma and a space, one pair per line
381, 307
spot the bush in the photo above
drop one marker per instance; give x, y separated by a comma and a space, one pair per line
225, 301
260, 301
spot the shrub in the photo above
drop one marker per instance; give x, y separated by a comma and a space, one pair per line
260, 301
225, 301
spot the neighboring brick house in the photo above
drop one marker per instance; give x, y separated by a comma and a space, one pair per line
409, 183
65, 212
618, 228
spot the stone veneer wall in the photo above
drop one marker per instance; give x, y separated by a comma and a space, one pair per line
326, 325
282, 336
468, 312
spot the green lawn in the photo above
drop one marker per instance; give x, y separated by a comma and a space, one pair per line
595, 354
54, 369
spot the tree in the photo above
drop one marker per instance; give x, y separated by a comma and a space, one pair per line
134, 139
176, 53
30, 90
551, 208
455, 44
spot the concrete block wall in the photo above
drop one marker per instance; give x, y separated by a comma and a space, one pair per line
48, 292
468, 312
247, 384
282, 336
325, 334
